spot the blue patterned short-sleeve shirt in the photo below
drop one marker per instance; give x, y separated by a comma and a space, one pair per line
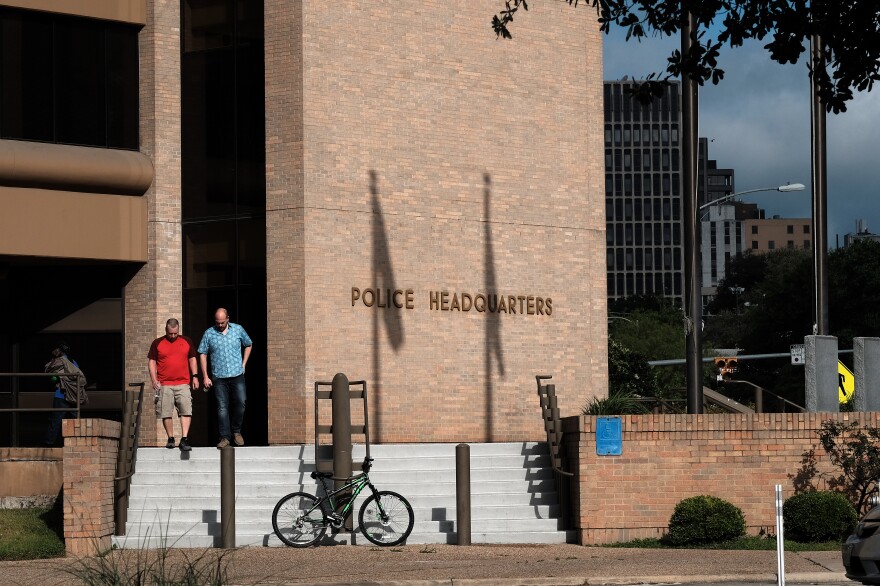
224, 350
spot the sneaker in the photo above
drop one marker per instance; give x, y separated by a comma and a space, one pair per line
170, 444
239, 441
223, 443
184, 445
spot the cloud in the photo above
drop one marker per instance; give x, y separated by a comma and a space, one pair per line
759, 119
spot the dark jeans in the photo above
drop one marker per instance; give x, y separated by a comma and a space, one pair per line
227, 389
55, 418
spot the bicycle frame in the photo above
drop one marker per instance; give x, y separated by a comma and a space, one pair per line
356, 483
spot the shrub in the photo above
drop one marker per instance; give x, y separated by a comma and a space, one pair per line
822, 515
705, 519
855, 451
621, 403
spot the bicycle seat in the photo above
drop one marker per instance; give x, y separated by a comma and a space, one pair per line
317, 474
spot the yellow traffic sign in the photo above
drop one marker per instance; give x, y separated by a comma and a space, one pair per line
846, 382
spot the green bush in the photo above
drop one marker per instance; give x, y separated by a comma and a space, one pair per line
621, 403
818, 516
704, 519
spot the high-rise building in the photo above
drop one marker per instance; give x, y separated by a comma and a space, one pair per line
643, 200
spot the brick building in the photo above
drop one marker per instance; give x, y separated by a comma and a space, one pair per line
765, 234
379, 189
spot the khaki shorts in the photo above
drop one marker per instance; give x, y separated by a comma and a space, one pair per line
171, 398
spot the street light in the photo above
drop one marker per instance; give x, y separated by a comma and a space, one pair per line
693, 283
783, 188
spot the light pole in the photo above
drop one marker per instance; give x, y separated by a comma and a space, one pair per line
693, 276
783, 188
693, 300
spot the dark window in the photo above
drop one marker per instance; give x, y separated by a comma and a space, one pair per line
68, 80
806, 228
771, 245
79, 75
789, 229
791, 244
754, 229
806, 243
754, 245
223, 179
223, 139
26, 97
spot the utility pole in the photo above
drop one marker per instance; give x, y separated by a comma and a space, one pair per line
820, 192
693, 290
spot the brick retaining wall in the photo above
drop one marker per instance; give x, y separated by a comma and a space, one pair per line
667, 458
90, 449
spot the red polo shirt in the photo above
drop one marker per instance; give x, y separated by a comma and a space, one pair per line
172, 359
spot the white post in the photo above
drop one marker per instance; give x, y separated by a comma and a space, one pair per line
780, 539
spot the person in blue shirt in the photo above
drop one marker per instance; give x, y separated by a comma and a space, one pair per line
228, 347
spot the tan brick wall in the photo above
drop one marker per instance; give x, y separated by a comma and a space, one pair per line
155, 293
407, 148
289, 402
666, 458
90, 450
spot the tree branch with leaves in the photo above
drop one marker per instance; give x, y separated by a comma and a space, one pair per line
850, 32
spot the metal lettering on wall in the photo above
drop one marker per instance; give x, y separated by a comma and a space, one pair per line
453, 301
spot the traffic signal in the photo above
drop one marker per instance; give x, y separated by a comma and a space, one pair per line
726, 366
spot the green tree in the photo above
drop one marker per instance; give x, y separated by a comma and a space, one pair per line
849, 32
853, 285
774, 309
628, 372
653, 327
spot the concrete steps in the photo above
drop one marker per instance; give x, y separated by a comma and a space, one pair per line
175, 497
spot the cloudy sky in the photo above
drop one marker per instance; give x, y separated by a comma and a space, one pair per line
758, 118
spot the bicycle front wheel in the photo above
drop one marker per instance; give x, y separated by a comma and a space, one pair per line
298, 520
388, 520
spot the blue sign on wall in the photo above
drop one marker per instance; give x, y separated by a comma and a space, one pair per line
609, 436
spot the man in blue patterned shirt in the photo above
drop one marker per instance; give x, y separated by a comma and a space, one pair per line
229, 347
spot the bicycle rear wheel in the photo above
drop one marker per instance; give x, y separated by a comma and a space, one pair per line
388, 521
298, 520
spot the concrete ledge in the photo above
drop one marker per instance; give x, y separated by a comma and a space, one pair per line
31, 477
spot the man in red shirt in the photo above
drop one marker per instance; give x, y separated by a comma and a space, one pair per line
173, 368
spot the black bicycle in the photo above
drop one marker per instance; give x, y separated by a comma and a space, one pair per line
301, 519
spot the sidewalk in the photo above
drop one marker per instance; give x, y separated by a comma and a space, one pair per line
487, 565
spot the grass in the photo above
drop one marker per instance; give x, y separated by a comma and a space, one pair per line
743, 543
29, 534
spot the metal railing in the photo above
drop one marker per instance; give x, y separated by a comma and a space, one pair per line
553, 427
126, 459
15, 393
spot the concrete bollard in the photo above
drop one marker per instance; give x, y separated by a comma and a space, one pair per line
821, 374
866, 362
340, 396
463, 494
227, 496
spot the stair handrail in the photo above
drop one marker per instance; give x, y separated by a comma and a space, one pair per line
126, 459
552, 422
